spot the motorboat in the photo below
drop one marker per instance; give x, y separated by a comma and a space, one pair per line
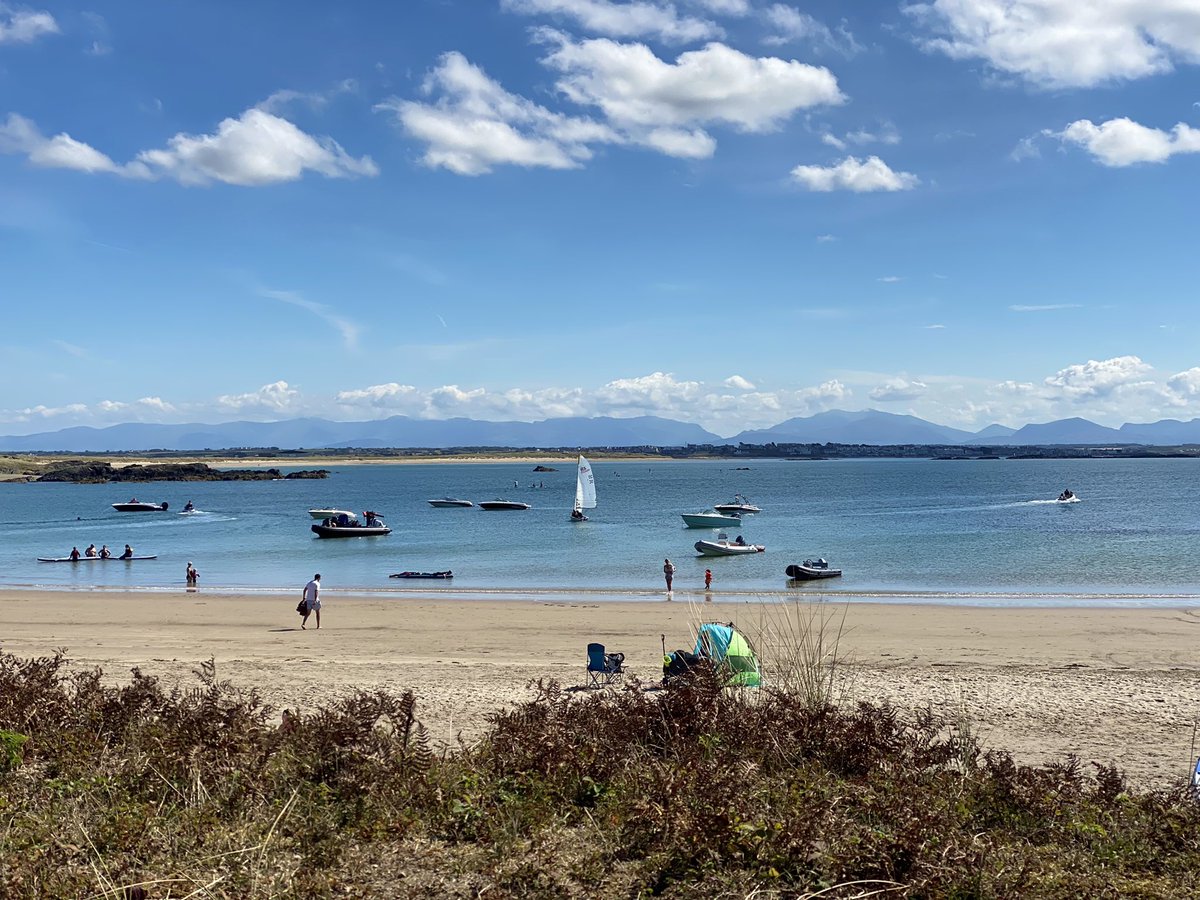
722, 546
91, 559
502, 504
449, 501
811, 569
346, 526
139, 506
446, 574
738, 504
328, 512
189, 507
1068, 496
711, 520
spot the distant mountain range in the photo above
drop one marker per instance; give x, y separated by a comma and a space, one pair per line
836, 426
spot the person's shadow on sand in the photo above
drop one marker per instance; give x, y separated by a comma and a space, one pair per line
277, 630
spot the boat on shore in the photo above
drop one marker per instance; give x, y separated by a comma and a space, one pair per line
810, 570
722, 546
60, 559
711, 520
328, 512
739, 504
502, 504
445, 502
348, 526
446, 574
139, 506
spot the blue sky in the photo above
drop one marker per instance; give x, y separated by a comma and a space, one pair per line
723, 211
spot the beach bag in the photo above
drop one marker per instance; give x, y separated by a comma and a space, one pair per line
302, 607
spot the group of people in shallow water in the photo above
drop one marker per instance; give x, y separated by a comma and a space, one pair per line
103, 553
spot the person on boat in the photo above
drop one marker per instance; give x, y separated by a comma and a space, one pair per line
577, 514
74, 554
134, 500
128, 554
188, 507
90, 552
105, 553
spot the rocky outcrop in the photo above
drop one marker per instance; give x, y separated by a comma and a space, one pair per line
90, 472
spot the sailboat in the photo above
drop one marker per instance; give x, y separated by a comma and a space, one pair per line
585, 491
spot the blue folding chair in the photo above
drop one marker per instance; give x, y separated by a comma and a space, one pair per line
603, 668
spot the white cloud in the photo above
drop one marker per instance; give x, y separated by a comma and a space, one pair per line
852, 174
474, 124
50, 412
1185, 385
890, 279
470, 124
737, 381
1043, 307
387, 395
1065, 43
1100, 378
826, 238
724, 7
898, 389
19, 135
275, 398
789, 25
1123, 142
348, 329
715, 85
623, 20
254, 149
934, 327
22, 26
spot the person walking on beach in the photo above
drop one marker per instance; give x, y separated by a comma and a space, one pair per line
668, 573
708, 579
312, 600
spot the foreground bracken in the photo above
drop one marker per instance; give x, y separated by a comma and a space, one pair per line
140, 791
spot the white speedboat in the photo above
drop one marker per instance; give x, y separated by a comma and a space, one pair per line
722, 546
328, 512
738, 504
1068, 496
449, 501
139, 506
711, 520
502, 504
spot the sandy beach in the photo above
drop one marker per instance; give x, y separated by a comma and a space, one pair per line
1111, 685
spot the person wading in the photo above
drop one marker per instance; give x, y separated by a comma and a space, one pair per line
312, 600
668, 573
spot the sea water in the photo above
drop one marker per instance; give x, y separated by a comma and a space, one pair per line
979, 531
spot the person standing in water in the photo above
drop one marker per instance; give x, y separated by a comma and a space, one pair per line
128, 554
708, 579
193, 577
312, 600
668, 573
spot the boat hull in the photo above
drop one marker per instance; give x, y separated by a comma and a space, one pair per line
710, 520
447, 502
446, 574
810, 573
494, 505
726, 548
350, 531
140, 507
61, 559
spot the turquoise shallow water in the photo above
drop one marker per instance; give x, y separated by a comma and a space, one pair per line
903, 530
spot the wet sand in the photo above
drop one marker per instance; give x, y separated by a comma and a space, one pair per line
1118, 686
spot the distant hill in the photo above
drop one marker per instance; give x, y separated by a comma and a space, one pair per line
1068, 431
869, 426
397, 431
833, 427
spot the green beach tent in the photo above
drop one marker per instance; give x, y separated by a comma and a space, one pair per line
730, 652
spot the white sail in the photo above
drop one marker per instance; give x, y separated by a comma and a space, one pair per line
585, 486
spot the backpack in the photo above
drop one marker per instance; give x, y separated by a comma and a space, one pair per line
302, 607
